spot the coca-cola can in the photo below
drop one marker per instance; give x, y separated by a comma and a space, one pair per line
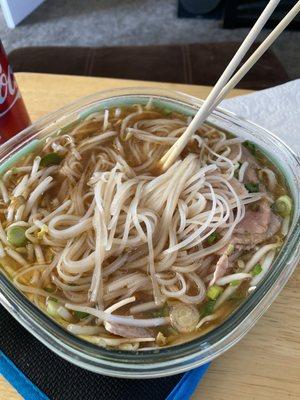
13, 114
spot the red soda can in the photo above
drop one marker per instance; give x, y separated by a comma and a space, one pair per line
13, 114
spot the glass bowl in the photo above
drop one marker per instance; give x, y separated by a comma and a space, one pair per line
182, 357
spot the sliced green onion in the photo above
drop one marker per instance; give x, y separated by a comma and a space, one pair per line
16, 236
52, 307
230, 249
213, 237
214, 292
208, 308
81, 314
52, 299
250, 146
256, 270
50, 159
252, 187
235, 283
283, 206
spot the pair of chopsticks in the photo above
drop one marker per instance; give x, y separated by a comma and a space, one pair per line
228, 79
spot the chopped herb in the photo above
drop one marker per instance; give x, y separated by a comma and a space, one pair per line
52, 299
213, 237
80, 314
49, 290
208, 308
50, 159
161, 312
283, 206
256, 270
214, 292
235, 283
16, 236
52, 307
252, 187
230, 249
250, 146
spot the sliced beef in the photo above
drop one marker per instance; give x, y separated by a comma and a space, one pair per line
221, 268
256, 227
247, 156
233, 257
128, 331
274, 226
224, 264
255, 222
248, 240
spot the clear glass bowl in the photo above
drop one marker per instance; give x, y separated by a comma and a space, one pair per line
176, 359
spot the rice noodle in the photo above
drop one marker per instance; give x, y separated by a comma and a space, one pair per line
151, 305
2, 251
259, 254
272, 179
83, 330
150, 322
204, 320
266, 264
228, 292
19, 189
233, 277
3, 237
15, 256
285, 225
121, 303
44, 185
3, 191
64, 313
242, 170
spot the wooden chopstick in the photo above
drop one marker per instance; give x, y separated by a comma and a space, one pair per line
257, 54
224, 84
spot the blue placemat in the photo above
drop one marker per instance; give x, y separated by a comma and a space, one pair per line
39, 374
19, 381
